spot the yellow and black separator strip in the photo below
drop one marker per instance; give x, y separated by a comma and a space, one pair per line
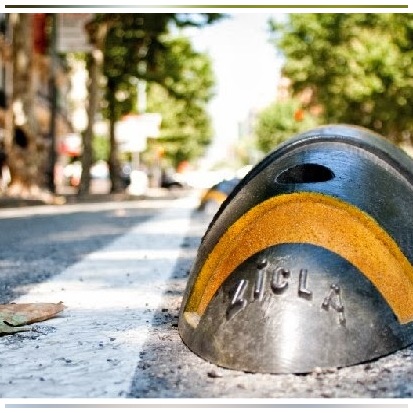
215, 196
308, 263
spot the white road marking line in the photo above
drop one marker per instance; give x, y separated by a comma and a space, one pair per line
110, 296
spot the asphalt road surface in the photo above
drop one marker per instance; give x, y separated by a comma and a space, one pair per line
120, 269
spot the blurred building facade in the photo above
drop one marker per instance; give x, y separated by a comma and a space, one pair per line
49, 81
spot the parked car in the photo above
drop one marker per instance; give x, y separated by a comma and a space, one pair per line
169, 181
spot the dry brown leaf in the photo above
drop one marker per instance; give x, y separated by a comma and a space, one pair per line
14, 315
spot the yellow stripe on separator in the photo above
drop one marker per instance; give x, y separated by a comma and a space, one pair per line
213, 195
315, 219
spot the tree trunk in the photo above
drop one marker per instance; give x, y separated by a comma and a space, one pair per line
114, 166
28, 150
87, 154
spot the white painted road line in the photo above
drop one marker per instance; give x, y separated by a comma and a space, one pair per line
92, 349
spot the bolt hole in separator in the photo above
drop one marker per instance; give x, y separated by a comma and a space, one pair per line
308, 262
305, 174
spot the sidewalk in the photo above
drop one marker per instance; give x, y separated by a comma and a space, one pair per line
70, 197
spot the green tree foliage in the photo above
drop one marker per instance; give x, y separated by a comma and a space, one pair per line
100, 146
358, 67
140, 37
181, 100
136, 46
279, 121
